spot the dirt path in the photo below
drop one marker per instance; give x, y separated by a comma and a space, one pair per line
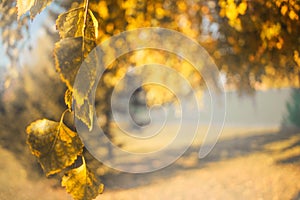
16, 183
260, 165
252, 177
256, 166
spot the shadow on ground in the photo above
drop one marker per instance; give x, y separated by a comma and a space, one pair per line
297, 197
224, 150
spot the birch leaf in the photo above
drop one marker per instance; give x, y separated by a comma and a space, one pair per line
71, 24
34, 6
68, 99
24, 6
54, 144
68, 57
85, 113
81, 183
38, 6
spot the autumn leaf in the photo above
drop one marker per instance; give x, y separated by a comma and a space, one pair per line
54, 144
78, 29
242, 8
293, 15
81, 183
24, 6
85, 113
35, 7
68, 99
68, 57
284, 9
38, 6
72, 24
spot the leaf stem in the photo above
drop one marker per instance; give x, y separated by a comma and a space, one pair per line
86, 6
62, 116
57, 133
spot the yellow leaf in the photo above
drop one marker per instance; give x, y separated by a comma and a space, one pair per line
293, 15
270, 70
222, 12
35, 7
284, 9
297, 57
38, 6
78, 30
54, 144
231, 11
85, 112
68, 57
71, 24
242, 8
92, 20
102, 9
82, 184
24, 6
68, 99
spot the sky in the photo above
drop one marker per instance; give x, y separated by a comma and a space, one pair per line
35, 31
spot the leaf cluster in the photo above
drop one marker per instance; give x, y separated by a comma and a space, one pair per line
255, 43
56, 146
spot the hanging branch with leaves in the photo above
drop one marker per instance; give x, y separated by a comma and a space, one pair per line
55, 145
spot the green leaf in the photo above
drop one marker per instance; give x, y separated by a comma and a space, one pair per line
71, 24
54, 144
81, 183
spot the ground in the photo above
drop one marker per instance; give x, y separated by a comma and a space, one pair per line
253, 164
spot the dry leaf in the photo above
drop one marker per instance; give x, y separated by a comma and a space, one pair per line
35, 7
68, 99
68, 57
54, 144
71, 24
81, 183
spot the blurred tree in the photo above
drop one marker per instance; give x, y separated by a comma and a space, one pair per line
259, 42
254, 43
293, 108
251, 41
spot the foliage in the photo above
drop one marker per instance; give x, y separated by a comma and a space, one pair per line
25, 98
54, 144
256, 43
35, 7
259, 47
12, 31
82, 183
293, 108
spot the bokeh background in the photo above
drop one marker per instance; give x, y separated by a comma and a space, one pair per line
255, 45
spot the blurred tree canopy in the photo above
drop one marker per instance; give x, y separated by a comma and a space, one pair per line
260, 46
254, 43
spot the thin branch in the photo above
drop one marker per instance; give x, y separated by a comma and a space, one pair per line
86, 6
